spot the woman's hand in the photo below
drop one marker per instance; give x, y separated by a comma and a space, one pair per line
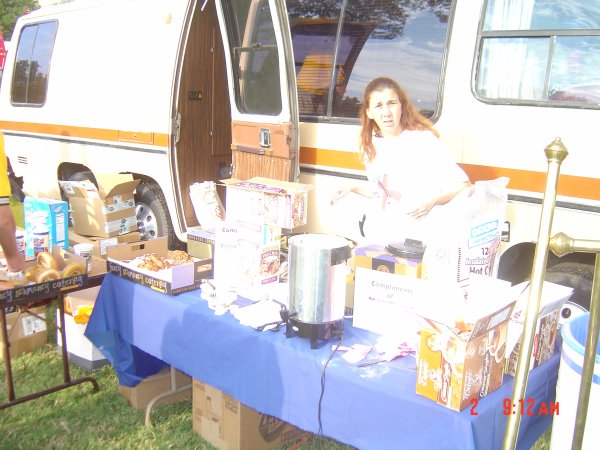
339, 194
422, 210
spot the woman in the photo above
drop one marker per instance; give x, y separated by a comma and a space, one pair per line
407, 165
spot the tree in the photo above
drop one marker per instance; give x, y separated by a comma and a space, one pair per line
389, 15
10, 11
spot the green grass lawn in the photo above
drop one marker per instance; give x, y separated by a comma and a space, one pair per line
76, 418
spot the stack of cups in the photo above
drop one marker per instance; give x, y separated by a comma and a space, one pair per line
85, 251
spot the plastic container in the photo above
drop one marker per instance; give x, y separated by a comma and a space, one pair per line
41, 239
20, 240
574, 334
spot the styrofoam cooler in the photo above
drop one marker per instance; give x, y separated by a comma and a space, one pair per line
574, 334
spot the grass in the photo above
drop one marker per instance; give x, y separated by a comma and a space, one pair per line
75, 418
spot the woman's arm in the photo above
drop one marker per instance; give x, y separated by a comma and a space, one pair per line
441, 199
364, 191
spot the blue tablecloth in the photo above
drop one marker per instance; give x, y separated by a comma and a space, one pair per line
141, 331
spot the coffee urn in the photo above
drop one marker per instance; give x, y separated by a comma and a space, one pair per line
317, 286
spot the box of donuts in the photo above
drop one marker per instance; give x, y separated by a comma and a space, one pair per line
461, 360
44, 275
151, 264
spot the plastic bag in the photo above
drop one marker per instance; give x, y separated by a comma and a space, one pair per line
207, 204
468, 234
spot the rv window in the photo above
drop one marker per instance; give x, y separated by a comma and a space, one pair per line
541, 52
32, 64
340, 45
255, 56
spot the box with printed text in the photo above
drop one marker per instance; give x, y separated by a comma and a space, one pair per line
267, 201
229, 424
46, 225
104, 211
173, 278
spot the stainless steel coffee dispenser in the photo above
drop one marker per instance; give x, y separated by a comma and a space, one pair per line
317, 285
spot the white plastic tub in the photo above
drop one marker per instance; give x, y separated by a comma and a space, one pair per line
574, 334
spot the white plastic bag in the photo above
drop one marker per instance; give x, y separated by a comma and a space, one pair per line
207, 204
467, 237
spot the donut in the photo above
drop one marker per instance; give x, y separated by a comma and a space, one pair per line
46, 275
17, 282
31, 272
47, 260
5, 285
72, 269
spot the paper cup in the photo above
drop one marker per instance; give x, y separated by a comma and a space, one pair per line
85, 251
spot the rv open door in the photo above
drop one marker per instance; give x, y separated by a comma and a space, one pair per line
262, 85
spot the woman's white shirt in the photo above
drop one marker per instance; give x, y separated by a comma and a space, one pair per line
415, 165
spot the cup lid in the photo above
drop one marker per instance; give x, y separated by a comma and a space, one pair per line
410, 249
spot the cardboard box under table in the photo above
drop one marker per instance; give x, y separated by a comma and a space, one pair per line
25, 331
104, 211
230, 425
156, 385
552, 300
172, 281
81, 351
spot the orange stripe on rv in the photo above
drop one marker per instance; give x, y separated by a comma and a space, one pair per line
331, 158
159, 139
522, 180
527, 180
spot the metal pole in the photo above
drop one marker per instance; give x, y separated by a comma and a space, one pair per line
562, 244
555, 153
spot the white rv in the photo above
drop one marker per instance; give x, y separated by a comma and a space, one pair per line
182, 91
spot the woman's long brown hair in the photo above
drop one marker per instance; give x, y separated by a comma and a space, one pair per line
411, 118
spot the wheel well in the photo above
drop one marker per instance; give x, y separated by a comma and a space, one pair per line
516, 263
67, 170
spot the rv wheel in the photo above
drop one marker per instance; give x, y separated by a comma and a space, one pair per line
152, 213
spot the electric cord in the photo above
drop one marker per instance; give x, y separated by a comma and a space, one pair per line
341, 338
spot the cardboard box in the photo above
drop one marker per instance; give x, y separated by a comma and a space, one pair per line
101, 244
382, 299
267, 201
106, 211
80, 349
246, 255
228, 424
84, 297
46, 225
172, 281
25, 332
154, 385
552, 300
201, 242
35, 291
459, 361
376, 257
